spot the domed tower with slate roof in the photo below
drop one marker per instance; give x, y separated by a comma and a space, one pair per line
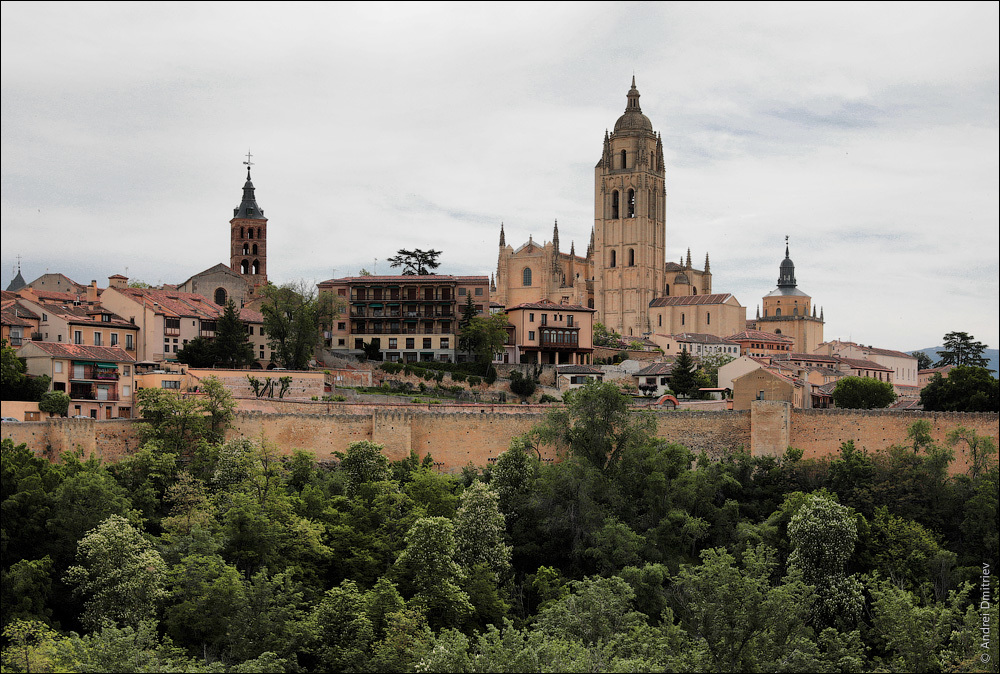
248, 237
629, 222
790, 312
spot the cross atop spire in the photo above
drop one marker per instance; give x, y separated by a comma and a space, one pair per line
248, 163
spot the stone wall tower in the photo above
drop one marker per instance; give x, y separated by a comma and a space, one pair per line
629, 222
248, 239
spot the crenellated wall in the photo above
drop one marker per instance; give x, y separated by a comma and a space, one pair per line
460, 434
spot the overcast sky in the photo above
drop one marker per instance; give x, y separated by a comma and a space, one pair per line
867, 133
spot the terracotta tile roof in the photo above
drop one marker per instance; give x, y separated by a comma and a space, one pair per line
19, 310
655, 369
86, 314
699, 338
81, 352
934, 370
549, 305
879, 352
411, 278
579, 369
53, 296
811, 357
860, 364
759, 336
249, 315
688, 300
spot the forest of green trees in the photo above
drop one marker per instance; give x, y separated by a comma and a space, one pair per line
630, 554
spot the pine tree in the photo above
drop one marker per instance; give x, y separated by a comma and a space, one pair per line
682, 379
232, 344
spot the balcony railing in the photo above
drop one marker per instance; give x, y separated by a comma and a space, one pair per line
90, 393
92, 373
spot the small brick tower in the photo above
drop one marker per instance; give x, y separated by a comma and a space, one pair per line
248, 238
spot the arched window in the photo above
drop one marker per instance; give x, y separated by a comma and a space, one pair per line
777, 312
660, 321
220, 296
614, 258
255, 249
250, 233
590, 303
631, 257
526, 277
614, 205
258, 232
682, 319
244, 267
246, 249
795, 311
778, 331
242, 233
255, 267
631, 203
668, 290
708, 318
623, 158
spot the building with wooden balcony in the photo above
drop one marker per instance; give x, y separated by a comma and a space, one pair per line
100, 381
546, 332
411, 318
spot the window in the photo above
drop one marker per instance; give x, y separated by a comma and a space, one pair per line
777, 312
126, 370
526, 277
359, 343
427, 342
614, 258
105, 318
624, 156
58, 367
97, 339
129, 343
631, 203
220, 296
341, 325
631, 257
531, 317
114, 339
479, 292
531, 335
341, 292
614, 205
392, 342
170, 384
461, 292
77, 337
126, 391
569, 320
708, 318
682, 319
545, 319
445, 343
409, 342
660, 321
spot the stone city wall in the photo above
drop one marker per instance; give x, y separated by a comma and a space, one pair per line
456, 435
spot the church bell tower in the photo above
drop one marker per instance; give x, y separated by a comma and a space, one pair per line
248, 238
629, 222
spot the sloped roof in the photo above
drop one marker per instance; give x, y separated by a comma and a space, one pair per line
655, 369
699, 338
81, 352
687, 300
759, 336
579, 369
550, 306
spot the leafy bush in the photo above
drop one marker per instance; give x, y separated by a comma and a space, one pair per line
475, 381
458, 376
546, 398
521, 385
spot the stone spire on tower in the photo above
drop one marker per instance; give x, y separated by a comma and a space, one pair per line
503, 240
786, 273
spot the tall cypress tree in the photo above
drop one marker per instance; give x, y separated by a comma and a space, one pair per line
232, 344
682, 379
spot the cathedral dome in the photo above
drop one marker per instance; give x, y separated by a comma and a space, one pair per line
681, 278
633, 119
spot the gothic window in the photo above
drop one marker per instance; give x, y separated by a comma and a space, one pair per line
631, 203
614, 205
795, 311
246, 249
668, 290
258, 232
244, 267
255, 249
255, 267
614, 258
250, 233
220, 296
623, 158
526, 277
777, 312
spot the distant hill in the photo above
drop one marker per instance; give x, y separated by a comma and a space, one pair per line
992, 355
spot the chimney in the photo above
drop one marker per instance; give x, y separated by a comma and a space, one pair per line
92, 296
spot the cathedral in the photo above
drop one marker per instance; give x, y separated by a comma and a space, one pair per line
624, 269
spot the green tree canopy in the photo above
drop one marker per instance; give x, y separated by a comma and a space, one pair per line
961, 348
293, 316
232, 343
965, 389
416, 262
863, 393
54, 402
485, 336
924, 362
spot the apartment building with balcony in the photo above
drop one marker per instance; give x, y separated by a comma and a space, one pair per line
81, 323
99, 380
411, 318
18, 323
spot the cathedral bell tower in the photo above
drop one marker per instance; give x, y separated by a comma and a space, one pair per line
629, 222
248, 238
